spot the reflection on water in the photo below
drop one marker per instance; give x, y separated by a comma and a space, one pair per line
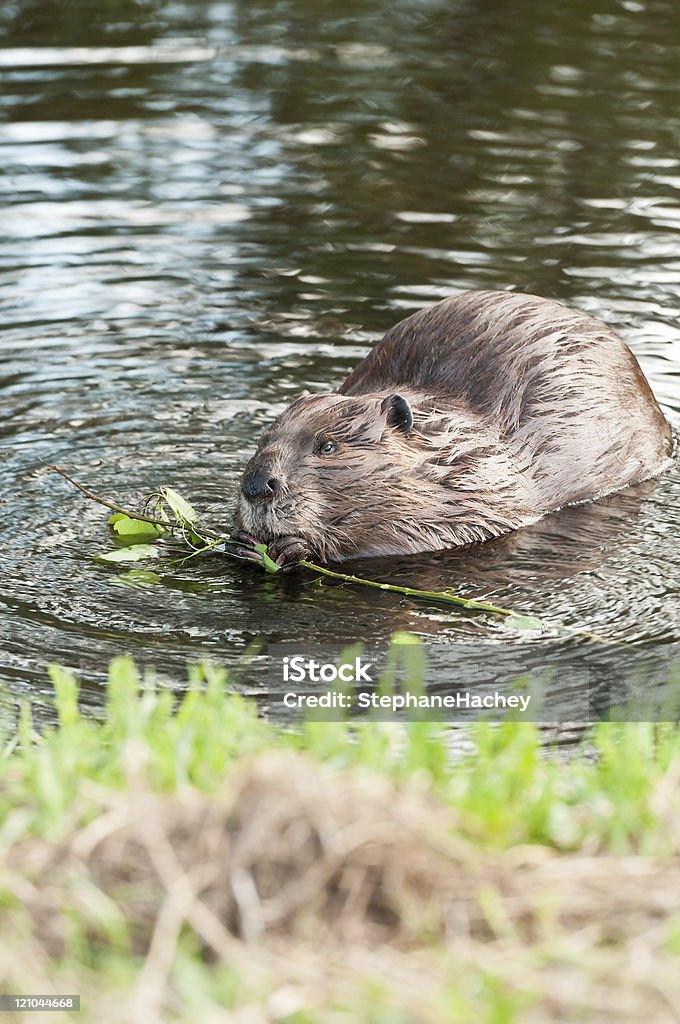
208, 205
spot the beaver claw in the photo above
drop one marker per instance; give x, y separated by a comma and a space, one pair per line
242, 545
241, 537
288, 551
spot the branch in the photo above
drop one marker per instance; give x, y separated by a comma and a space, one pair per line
126, 512
433, 595
237, 550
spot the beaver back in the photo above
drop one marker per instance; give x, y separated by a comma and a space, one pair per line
565, 393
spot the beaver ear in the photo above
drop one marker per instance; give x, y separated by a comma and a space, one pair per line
399, 413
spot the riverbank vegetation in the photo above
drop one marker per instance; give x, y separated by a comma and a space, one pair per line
181, 859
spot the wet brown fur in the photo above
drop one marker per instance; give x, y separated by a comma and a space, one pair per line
520, 405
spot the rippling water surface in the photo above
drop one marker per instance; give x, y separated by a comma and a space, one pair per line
209, 205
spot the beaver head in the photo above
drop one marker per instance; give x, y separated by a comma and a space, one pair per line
340, 477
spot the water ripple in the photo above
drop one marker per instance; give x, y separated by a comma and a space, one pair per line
198, 222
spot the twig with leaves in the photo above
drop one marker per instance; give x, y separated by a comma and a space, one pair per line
173, 514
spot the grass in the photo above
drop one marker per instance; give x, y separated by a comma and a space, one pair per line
180, 860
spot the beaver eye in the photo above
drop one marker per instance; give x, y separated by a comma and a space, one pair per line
328, 448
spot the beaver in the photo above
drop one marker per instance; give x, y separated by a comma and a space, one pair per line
470, 418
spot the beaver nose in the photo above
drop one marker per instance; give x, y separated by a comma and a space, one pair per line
259, 484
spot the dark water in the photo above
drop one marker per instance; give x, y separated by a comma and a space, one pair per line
208, 205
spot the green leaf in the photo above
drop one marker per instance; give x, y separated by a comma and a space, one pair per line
267, 562
126, 526
180, 506
116, 517
523, 622
135, 553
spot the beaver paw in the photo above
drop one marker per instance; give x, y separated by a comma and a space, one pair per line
242, 544
288, 551
241, 537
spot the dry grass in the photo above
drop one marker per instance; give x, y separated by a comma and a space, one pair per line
312, 886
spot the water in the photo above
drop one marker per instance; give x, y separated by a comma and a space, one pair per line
209, 205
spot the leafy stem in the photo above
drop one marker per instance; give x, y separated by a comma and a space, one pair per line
175, 513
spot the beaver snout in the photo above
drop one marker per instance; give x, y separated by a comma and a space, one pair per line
260, 485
